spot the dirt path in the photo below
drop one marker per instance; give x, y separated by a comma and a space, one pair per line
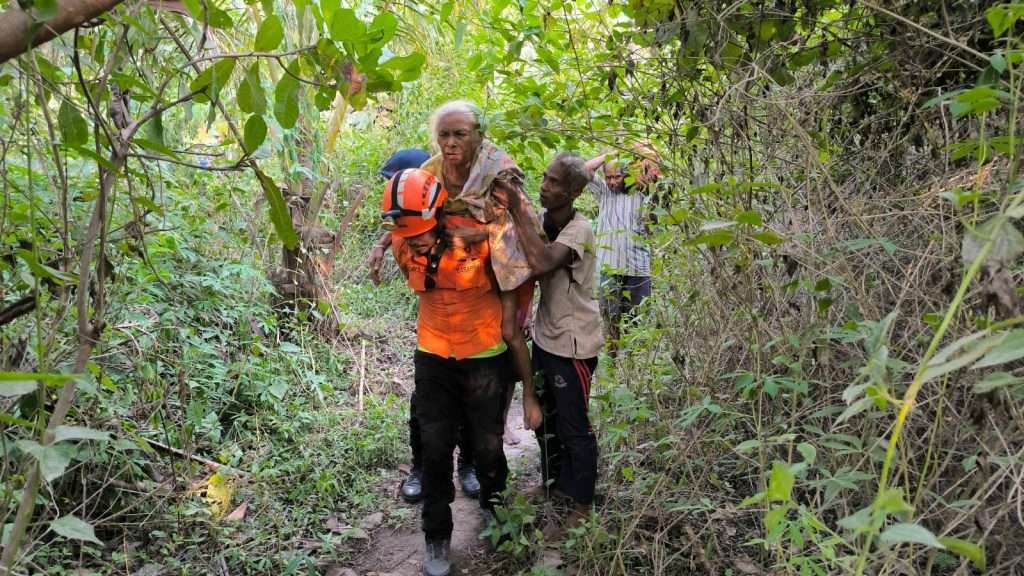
399, 552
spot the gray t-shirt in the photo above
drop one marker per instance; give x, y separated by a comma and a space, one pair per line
568, 321
621, 231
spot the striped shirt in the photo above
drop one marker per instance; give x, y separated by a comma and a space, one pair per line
621, 231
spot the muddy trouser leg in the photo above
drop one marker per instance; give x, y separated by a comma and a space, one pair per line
567, 383
483, 395
437, 409
415, 443
547, 439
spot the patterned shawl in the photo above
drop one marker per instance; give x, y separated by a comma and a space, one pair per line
492, 164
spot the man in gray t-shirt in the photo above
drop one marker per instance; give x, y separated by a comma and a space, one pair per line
623, 255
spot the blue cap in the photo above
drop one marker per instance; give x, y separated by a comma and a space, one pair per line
408, 158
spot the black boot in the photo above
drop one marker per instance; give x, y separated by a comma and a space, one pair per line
468, 480
436, 562
412, 488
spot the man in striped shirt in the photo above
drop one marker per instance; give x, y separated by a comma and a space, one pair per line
623, 255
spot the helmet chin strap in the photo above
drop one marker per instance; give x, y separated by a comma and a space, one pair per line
434, 258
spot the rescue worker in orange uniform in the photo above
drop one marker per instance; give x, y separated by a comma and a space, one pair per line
461, 362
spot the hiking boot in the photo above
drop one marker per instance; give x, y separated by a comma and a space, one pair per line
469, 482
436, 562
412, 488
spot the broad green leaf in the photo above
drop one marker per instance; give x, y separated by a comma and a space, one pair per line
279, 215
947, 352
345, 26
74, 528
972, 351
890, 501
718, 237
16, 388
385, 25
995, 381
446, 11
43, 271
255, 133
1009, 349
217, 17
780, 483
408, 67
154, 146
270, 34
859, 521
286, 98
998, 62
768, 237
210, 81
808, 451
966, 549
751, 500
999, 19
750, 217
854, 409
250, 96
747, 445
53, 459
74, 130
63, 433
906, 532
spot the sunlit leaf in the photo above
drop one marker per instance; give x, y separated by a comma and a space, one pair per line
967, 549
780, 483
270, 34
345, 26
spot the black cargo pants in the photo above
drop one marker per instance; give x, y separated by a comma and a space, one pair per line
448, 390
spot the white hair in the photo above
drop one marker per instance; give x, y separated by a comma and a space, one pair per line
457, 107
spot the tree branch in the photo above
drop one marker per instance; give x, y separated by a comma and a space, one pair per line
19, 32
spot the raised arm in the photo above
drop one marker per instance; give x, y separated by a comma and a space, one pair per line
596, 162
542, 257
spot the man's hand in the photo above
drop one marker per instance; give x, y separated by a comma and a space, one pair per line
532, 415
374, 262
507, 197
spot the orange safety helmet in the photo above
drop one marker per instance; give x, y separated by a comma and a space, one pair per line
412, 203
